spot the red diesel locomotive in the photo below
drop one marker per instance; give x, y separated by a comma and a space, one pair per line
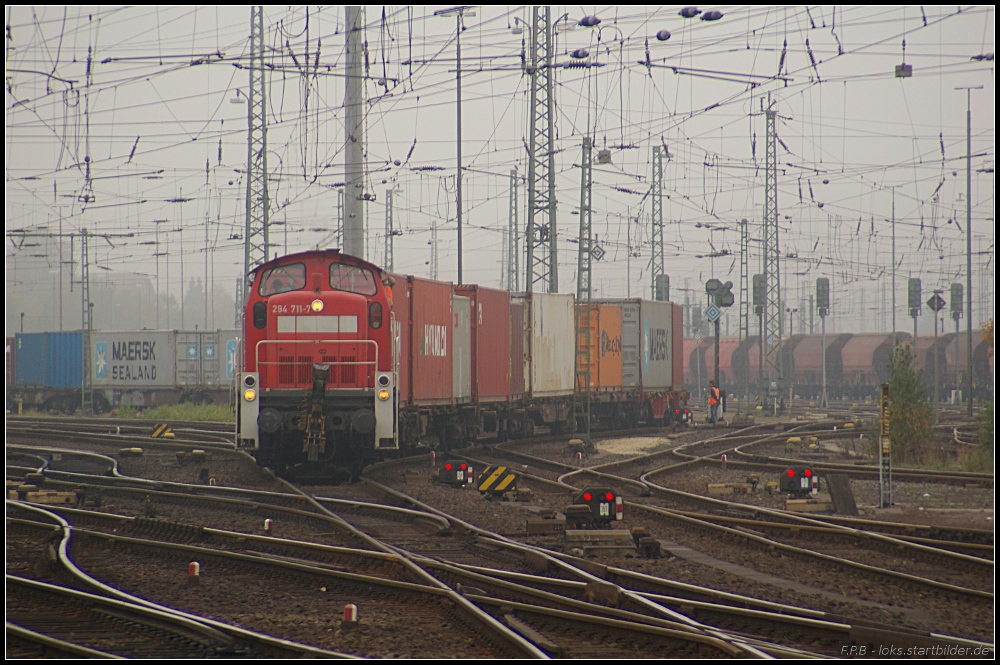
345, 364
319, 375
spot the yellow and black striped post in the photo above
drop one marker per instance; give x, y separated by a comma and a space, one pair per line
496, 480
162, 431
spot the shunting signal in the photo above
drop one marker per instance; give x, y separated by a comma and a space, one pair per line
456, 472
604, 504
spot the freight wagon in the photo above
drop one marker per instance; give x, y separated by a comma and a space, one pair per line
344, 363
138, 368
855, 363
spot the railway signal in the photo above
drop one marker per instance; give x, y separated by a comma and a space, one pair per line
456, 473
605, 505
721, 295
913, 301
799, 481
823, 305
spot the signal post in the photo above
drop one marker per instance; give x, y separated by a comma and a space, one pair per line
719, 295
823, 304
884, 460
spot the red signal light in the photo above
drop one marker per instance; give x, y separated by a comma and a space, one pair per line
686, 411
447, 467
677, 410
791, 473
609, 496
587, 496
807, 473
463, 466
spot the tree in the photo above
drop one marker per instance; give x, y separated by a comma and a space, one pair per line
911, 417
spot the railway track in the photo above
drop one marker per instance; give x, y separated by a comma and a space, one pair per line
87, 625
516, 621
635, 579
944, 560
405, 614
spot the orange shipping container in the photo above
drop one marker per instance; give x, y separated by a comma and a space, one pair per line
605, 346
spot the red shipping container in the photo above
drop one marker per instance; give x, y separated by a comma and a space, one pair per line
399, 303
516, 350
491, 335
430, 343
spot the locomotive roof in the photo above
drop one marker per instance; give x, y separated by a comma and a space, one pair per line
317, 254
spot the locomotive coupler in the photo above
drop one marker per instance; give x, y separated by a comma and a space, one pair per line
311, 419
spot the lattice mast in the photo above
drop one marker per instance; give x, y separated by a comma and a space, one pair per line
744, 279
542, 267
772, 273
584, 309
389, 231
255, 242
657, 268
87, 394
354, 136
513, 239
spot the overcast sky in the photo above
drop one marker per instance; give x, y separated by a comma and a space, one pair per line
133, 121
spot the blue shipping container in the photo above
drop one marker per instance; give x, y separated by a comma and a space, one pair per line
49, 360
29, 371
65, 359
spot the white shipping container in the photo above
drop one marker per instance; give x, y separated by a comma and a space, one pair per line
228, 352
549, 344
656, 352
197, 358
461, 349
130, 360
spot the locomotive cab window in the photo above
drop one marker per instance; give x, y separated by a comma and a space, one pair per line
282, 279
352, 279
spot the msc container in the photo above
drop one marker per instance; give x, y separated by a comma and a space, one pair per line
49, 360
134, 359
491, 342
549, 346
605, 346
648, 344
430, 344
517, 350
461, 354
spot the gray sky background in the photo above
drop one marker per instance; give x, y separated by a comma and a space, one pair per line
156, 118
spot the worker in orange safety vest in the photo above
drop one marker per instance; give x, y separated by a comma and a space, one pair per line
713, 401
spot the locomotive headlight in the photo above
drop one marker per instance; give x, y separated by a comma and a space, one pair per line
317, 305
249, 394
383, 394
